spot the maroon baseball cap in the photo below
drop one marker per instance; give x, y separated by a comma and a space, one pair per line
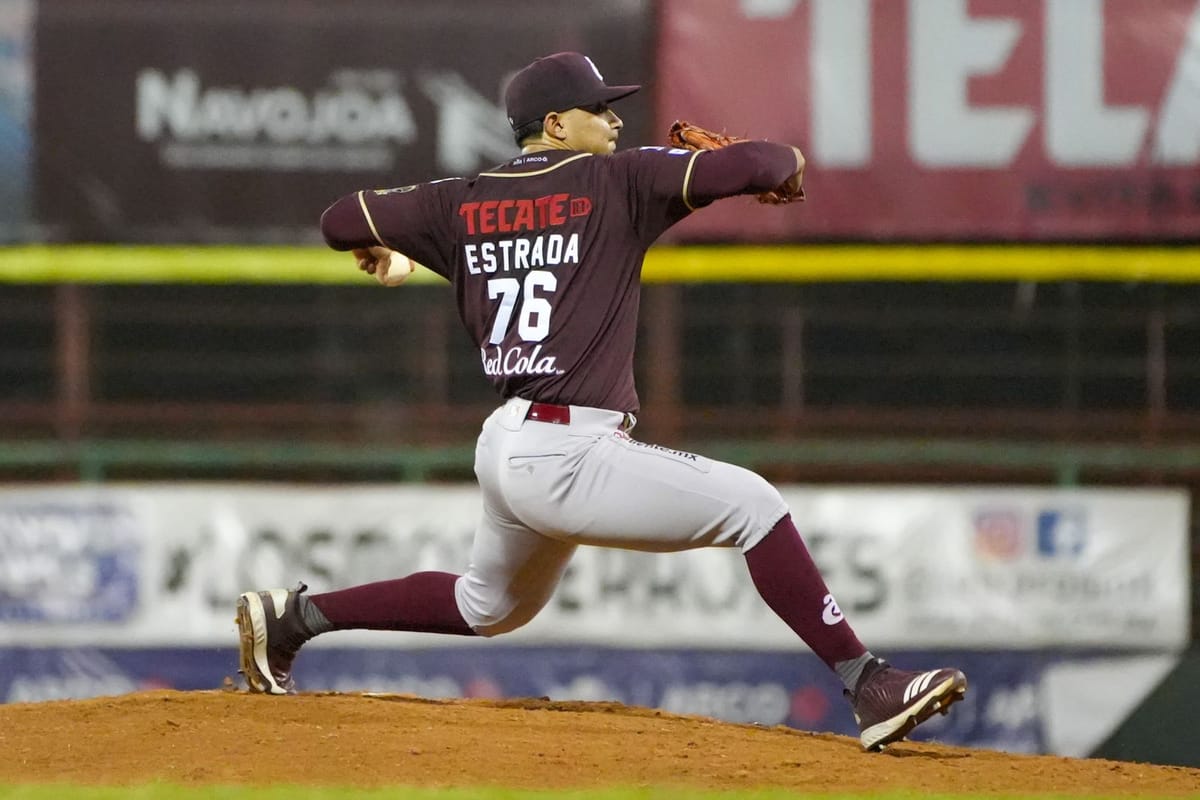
555, 83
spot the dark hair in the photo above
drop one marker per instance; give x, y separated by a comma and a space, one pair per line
528, 129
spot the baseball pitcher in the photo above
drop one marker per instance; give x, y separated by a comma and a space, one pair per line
545, 255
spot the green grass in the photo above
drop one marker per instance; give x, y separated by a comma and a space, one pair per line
168, 792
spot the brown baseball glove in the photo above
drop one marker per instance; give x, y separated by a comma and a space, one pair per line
687, 136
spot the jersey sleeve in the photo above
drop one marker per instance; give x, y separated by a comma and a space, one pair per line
658, 188
414, 220
741, 168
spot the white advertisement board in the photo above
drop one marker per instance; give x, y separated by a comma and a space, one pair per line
155, 565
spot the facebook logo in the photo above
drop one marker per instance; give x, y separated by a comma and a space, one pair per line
1061, 533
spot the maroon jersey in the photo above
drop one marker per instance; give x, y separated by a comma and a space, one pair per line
545, 254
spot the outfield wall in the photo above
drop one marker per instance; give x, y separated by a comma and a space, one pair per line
935, 567
1065, 607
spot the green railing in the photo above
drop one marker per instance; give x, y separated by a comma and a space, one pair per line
1064, 464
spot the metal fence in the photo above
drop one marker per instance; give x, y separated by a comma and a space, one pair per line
1066, 361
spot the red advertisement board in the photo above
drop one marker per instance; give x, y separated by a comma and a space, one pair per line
1026, 120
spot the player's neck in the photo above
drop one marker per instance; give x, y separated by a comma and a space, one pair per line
545, 144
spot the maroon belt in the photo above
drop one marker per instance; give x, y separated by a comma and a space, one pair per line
549, 412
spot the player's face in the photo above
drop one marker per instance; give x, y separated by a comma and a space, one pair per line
592, 130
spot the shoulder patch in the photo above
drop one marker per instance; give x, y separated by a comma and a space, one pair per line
671, 151
396, 190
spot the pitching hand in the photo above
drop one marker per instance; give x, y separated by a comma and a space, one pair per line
388, 266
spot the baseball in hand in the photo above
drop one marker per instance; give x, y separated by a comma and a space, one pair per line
394, 269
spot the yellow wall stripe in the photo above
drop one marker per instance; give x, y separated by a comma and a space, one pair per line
664, 264
923, 263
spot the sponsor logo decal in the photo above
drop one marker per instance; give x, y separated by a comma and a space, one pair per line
1010, 534
831, 615
998, 534
515, 361
1061, 533
917, 685
514, 215
354, 122
658, 448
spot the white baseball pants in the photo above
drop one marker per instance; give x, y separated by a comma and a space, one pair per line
548, 488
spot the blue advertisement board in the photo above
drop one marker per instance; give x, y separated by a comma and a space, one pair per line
1001, 709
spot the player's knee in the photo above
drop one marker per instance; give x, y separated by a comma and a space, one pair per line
765, 496
495, 625
762, 508
491, 615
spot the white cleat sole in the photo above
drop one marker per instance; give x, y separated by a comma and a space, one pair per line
252, 645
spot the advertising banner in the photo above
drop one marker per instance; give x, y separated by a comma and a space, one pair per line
161, 565
235, 121
16, 96
950, 119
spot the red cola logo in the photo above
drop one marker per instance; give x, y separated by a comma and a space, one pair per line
515, 361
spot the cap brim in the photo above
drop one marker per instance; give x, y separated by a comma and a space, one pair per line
607, 94
612, 93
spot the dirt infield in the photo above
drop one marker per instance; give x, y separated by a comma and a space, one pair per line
227, 737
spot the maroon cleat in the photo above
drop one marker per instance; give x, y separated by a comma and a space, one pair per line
888, 702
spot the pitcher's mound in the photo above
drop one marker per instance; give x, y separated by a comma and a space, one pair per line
227, 737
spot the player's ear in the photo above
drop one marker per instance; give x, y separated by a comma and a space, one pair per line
553, 126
